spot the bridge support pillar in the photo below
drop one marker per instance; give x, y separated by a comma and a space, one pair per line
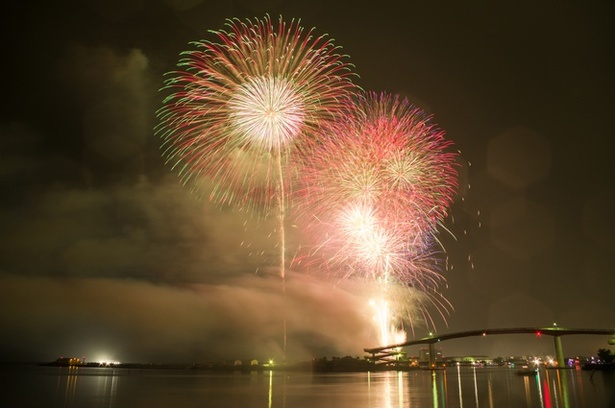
559, 351
432, 356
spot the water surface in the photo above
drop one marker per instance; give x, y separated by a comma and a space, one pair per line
35, 386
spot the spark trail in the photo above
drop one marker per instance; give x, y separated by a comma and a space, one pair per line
241, 107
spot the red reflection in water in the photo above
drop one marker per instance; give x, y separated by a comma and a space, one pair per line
545, 387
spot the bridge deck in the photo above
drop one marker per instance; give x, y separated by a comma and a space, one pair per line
552, 331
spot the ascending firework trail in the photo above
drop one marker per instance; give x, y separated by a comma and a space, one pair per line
241, 109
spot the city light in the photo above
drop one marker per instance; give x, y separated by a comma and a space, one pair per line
104, 360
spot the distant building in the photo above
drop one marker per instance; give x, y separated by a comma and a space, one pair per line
68, 361
469, 360
424, 355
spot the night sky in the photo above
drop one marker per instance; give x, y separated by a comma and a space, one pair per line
104, 254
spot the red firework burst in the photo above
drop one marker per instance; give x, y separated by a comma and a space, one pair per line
374, 189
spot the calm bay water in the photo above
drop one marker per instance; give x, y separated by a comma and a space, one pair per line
34, 386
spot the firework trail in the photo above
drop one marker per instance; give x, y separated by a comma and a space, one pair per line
241, 107
374, 190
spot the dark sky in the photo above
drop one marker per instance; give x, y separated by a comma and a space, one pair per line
104, 254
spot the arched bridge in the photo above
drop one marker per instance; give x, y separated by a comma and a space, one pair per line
382, 353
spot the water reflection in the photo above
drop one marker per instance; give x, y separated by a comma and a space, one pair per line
107, 388
475, 386
387, 389
451, 387
459, 386
539, 388
480, 387
74, 384
270, 387
559, 388
71, 384
434, 390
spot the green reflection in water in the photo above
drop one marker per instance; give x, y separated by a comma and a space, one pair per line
434, 389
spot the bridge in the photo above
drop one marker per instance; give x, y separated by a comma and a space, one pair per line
384, 352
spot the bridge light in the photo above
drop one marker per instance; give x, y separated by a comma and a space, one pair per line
484, 334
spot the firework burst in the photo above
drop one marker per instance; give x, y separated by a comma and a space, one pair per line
241, 106
375, 188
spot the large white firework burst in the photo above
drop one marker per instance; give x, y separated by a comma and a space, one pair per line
241, 106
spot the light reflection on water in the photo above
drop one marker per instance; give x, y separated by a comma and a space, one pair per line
453, 387
494, 387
